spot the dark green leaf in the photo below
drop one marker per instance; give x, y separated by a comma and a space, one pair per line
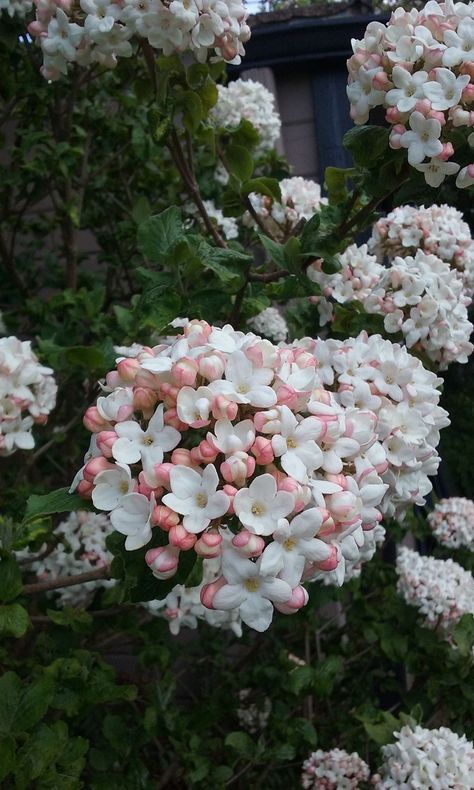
158, 234
239, 162
7, 757
10, 690
276, 251
367, 144
263, 186
59, 501
242, 743
10, 579
14, 620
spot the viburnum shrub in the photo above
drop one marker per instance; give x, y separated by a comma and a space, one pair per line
241, 460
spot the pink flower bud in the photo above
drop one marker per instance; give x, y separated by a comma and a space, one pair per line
392, 115
94, 466
211, 367
185, 372
339, 480
231, 492
208, 452
145, 488
447, 151
164, 517
171, 418
467, 68
331, 563
182, 457
144, 400
248, 544
163, 561
223, 408
267, 421
299, 598
287, 396
208, 592
41, 419
85, 489
344, 507
209, 544
127, 370
381, 81
105, 442
180, 537
263, 451
94, 422
468, 94
168, 394
437, 115
237, 468
113, 379
162, 474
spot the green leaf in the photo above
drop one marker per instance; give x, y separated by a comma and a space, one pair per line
193, 111
276, 251
463, 634
263, 186
245, 135
59, 501
335, 183
208, 95
33, 703
90, 357
10, 690
239, 162
310, 234
241, 742
14, 620
10, 579
367, 144
141, 209
300, 678
158, 234
76, 619
228, 264
7, 757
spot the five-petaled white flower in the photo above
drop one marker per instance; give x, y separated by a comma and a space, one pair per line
423, 139
111, 485
408, 88
195, 497
460, 44
250, 590
132, 518
446, 90
230, 438
244, 383
436, 170
260, 506
295, 543
295, 444
149, 446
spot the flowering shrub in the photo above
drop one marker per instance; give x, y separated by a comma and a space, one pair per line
27, 394
80, 548
274, 464
452, 522
422, 298
427, 759
16, 7
334, 770
249, 100
419, 68
441, 590
102, 32
437, 230
271, 324
227, 225
372, 373
300, 199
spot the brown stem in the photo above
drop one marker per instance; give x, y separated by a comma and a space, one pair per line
67, 581
268, 278
37, 557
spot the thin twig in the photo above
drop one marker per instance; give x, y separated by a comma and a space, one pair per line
67, 581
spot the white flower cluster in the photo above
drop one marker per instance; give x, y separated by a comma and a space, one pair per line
300, 199
283, 461
27, 394
372, 539
252, 717
251, 101
372, 373
182, 607
226, 225
439, 230
427, 760
419, 66
441, 590
102, 31
271, 324
452, 522
334, 770
359, 275
81, 548
16, 7
424, 300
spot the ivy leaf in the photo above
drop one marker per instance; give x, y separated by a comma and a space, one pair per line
59, 501
158, 234
14, 620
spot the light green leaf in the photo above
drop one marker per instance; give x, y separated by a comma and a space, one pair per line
59, 501
157, 235
14, 620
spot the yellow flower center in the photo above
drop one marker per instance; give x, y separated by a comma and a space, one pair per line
123, 487
291, 443
257, 509
289, 544
201, 500
252, 584
242, 389
147, 440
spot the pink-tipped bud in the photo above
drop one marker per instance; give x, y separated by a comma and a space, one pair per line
392, 115
171, 418
94, 466
223, 408
263, 451
231, 492
145, 488
423, 106
287, 396
437, 115
185, 372
468, 94
164, 517
467, 68
331, 563
212, 367
85, 489
40, 419
248, 544
128, 369
207, 452
208, 592
447, 151
209, 544
182, 457
267, 421
144, 399
94, 422
339, 480
237, 468
163, 561
343, 507
181, 538
162, 474
299, 598
381, 81
169, 394
105, 442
